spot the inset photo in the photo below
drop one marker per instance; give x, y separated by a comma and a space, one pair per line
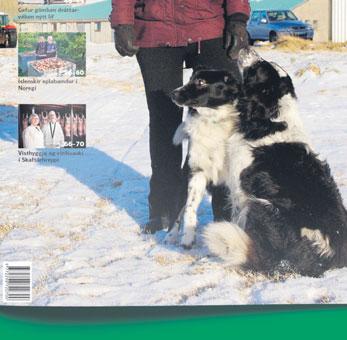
51, 126
53, 54
8, 30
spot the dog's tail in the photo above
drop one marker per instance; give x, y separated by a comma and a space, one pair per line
231, 243
234, 245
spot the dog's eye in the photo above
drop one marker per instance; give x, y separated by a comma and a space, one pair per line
200, 82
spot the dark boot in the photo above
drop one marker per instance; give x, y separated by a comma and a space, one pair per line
156, 224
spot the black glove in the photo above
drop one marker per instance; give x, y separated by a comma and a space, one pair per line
236, 35
124, 37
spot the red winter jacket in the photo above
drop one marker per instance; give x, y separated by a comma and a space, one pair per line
175, 22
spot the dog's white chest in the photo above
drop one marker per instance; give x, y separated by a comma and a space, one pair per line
208, 148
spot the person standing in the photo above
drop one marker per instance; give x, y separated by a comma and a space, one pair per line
165, 36
32, 135
51, 47
52, 132
41, 48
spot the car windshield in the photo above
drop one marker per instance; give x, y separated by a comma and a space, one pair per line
3, 20
281, 15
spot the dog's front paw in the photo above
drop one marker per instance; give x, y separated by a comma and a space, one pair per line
188, 239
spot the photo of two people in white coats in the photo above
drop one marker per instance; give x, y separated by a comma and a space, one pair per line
50, 136
51, 126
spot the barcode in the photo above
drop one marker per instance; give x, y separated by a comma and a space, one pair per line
17, 284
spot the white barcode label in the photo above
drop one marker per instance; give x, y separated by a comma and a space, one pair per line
17, 282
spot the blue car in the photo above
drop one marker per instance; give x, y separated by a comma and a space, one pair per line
271, 24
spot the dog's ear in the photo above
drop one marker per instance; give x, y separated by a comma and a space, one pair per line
286, 87
254, 108
234, 85
231, 78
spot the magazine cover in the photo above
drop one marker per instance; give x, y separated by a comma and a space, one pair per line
159, 153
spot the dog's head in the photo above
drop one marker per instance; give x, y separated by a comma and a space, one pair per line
208, 88
264, 82
264, 85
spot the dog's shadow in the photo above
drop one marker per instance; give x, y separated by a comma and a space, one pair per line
120, 184
8, 123
110, 179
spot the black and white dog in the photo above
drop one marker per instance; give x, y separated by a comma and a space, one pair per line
287, 211
210, 123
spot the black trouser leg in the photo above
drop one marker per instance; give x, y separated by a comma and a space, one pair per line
162, 72
213, 55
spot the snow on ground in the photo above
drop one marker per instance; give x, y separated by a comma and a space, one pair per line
78, 220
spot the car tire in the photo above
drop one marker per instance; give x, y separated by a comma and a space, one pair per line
273, 37
250, 40
12, 40
7, 41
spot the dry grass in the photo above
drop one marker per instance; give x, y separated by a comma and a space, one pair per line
309, 68
251, 277
103, 203
7, 226
118, 85
293, 44
166, 260
325, 299
77, 237
5, 229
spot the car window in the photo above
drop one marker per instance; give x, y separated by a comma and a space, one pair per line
255, 16
281, 15
263, 16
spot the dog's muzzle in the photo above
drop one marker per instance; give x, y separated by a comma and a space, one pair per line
174, 95
177, 97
